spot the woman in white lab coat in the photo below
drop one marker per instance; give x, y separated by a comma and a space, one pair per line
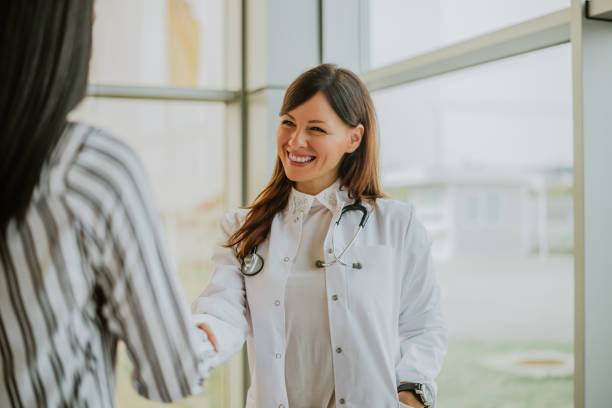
326, 329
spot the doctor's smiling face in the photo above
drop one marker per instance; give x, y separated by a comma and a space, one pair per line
327, 132
312, 140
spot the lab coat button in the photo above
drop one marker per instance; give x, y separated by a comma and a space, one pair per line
339, 350
341, 401
330, 251
286, 259
278, 355
334, 297
277, 303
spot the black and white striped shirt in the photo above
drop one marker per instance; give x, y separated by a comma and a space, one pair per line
89, 267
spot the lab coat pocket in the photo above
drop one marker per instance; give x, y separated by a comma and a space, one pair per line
371, 287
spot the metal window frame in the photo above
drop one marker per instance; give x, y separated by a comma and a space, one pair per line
599, 10
537, 33
239, 368
564, 26
533, 34
161, 93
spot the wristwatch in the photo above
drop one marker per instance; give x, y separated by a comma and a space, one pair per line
418, 390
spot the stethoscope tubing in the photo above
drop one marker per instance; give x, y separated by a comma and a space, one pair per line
253, 263
338, 258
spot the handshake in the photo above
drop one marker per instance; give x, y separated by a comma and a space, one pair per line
209, 333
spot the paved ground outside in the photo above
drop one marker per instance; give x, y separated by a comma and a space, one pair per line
498, 298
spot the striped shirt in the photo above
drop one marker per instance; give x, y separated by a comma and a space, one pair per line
89, 267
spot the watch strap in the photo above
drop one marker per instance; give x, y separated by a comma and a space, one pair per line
417, 390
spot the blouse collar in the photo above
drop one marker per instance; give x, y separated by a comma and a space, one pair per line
302, 202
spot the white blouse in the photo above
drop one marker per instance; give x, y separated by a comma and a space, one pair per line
309, 374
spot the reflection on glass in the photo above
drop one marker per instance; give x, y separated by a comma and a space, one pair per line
182, 149
400, 29
485, 154
159, 43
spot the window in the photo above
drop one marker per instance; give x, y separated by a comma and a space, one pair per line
146, 45
159, 43
495, 144
181, 145
427, 25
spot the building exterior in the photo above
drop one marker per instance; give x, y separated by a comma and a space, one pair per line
490, 212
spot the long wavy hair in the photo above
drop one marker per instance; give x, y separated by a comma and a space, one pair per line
358, 171
45, 52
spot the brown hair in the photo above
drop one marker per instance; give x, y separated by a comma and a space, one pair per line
358, 172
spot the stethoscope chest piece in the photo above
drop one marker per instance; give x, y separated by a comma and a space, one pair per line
252, 264
355, 265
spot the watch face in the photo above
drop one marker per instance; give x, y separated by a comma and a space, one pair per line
425, 395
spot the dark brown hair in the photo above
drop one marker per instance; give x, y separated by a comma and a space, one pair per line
358, 172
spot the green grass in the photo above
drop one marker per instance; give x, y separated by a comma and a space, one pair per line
464, 382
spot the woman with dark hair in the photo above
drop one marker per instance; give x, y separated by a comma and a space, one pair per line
82, 259
331, 283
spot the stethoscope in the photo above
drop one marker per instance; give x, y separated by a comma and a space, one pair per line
253, 263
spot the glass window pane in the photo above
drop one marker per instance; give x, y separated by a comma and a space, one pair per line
181, 145
159, 43
485, 154
400, 29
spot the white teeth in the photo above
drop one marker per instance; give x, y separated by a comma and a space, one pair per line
300, 159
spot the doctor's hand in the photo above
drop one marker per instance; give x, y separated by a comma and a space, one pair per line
408, 398
211, 336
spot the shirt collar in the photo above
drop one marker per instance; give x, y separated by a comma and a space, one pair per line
302, 202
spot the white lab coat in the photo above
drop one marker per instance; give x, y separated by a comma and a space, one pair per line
385, 320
